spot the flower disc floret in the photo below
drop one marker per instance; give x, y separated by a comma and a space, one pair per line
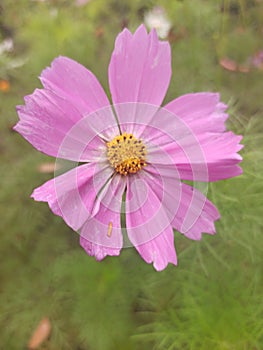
126, 154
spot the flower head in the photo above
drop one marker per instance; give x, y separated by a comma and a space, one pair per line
135, 153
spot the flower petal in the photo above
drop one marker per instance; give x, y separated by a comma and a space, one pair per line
196, 214
201, 111
140, 117
140, 68
160, 250
101, 235
73, 195
72, 81
220, 154
148, 227
208, 156
56, 127
188, 210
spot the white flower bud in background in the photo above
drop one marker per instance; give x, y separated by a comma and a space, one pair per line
6, 45
157, 19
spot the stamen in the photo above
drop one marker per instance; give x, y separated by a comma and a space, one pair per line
109, 229
126, 154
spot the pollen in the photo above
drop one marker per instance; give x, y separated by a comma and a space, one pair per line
126, 154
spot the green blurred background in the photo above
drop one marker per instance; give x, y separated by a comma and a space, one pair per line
213, 300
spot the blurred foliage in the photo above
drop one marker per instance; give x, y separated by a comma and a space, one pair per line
213, 299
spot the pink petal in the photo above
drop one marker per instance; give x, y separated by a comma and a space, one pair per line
140, 68
200, 111
72, 81
188, 210
220, 154
101, 235
196, 214
148, 226
207, 156
73, 195
160, 251
203, 151
140, 116
53, 125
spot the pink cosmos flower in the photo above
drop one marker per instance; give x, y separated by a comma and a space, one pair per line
132, 155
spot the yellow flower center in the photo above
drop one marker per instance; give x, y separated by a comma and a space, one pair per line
126, 154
